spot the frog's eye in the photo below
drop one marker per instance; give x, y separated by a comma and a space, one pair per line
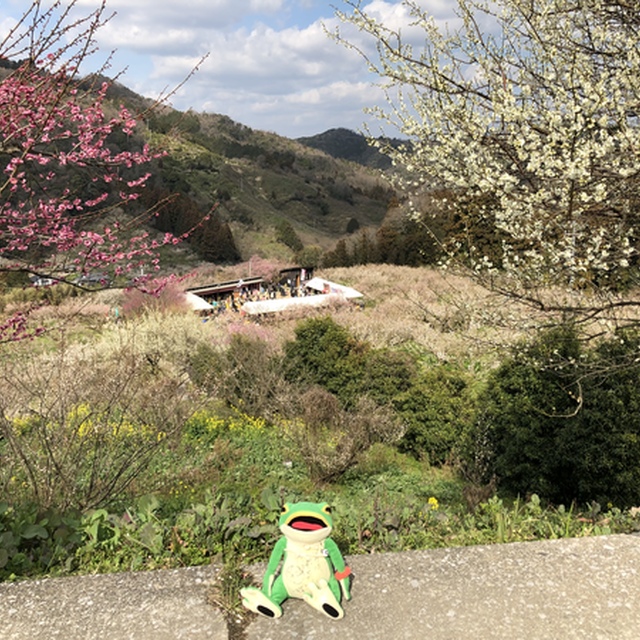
285, 509
326, 509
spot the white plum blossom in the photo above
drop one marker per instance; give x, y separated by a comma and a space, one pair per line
530, 109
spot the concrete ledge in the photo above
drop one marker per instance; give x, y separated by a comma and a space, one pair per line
585, 588
152, 605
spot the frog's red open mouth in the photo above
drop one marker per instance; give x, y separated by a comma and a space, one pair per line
307, 523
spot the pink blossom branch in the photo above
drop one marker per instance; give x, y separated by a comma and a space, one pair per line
50, 129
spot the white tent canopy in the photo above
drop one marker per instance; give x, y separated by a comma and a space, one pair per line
196, 303
326, 286
258, 307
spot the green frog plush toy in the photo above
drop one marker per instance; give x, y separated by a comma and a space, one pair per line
310, 564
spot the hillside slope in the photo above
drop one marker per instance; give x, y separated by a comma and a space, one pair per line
273, 197
276, 194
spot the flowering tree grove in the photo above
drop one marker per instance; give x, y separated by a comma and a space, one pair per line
62, 180
524, 119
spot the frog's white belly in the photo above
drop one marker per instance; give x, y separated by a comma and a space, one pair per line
304, 563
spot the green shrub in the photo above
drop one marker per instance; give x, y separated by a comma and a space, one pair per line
353, 225
605, 435
325, 353
387, 374
562, 421
286, 234
205, 366
437, 409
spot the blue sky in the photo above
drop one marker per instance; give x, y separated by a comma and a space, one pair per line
270, 65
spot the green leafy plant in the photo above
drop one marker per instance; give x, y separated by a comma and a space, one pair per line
557, 431
437, 408
33, 542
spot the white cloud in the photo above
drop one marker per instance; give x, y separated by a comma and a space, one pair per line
270, 64
195, 13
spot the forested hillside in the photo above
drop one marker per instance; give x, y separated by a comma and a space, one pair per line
324, 200
272, 196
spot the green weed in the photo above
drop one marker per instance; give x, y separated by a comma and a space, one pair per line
220, 498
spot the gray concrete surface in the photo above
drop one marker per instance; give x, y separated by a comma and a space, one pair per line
154, 605
587, 589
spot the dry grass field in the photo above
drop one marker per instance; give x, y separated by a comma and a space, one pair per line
428, 310
425, 309
447, 315
455, 318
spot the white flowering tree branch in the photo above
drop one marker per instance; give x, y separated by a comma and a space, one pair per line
526, 117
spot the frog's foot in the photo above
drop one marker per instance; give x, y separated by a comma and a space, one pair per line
256, 601
320, 597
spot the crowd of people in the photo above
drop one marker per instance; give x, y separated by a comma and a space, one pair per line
233, 301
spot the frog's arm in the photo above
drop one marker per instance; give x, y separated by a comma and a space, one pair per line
342, 572
274, 562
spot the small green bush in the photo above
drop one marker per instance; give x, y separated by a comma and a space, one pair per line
286, 234
205, 366
438, 408
325, 353
388, 374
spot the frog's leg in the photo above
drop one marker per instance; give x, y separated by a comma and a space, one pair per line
268, 600
267, 605
278, 591
325, 597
